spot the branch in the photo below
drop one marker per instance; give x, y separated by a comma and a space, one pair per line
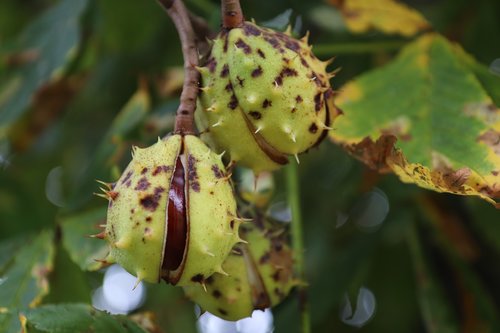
184, 121
232, 16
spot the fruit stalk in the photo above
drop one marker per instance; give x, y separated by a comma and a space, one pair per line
292, 179
184, 121
232, 16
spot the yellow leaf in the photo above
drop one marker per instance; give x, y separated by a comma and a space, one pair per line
388, 16
382, 155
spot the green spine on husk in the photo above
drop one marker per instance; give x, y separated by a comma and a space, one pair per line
264, 96
138, 217
260, 275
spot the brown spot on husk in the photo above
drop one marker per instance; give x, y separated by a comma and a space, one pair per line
257, 72
233, 102
244, 46
127, 177
217, 171
192, 173
199, 278
150, 202
211, 64
225, 71
250, 29
313, 128
143, 184
161, 168
255, 115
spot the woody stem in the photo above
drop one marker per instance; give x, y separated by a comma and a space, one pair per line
184, 121
232, 16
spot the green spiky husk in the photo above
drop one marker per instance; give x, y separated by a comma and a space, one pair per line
259, 275
259, 80
137, 212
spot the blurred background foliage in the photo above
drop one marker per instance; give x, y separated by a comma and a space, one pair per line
81, 81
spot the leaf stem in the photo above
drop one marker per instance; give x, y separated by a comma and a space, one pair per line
232, 16
184, 120
292, 180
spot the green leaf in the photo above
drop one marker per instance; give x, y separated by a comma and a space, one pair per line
46, 46
84, 250
108, 153
444, 121
7, 247
70, 285
436, 309
76, 318
24, 281
8, 321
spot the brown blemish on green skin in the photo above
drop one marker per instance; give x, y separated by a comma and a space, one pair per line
304, 62
193, 174
228, 87
318, 102
161, 168
233, 102
298, 99
261, 54
241, 81
148, 219
264, 258
217, 171
255, 115
273, 42
226, 42
285, 72
199, 278
249, 29
244, 46
267, 103
257, 72
127, 177
225, 71
313, 128
231, 224
143, 184
222, 311
144, 170
211, 64
216, 293
150, 202
292, 44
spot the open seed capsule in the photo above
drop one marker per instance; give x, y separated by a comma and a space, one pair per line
260, 275
264, 96
172, 213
